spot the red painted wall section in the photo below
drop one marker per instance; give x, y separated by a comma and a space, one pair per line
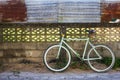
13, 11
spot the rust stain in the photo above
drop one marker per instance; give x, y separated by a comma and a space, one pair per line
16, 11
110, 11
12, 10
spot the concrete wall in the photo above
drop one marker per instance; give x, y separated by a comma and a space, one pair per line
17, 52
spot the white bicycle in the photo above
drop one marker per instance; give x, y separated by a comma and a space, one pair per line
100, 58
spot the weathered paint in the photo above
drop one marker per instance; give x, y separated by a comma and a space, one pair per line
110, 10
59, 11
12, 11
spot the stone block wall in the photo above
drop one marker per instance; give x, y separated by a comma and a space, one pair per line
17, 52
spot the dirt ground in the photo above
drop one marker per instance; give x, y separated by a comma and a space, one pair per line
38, 68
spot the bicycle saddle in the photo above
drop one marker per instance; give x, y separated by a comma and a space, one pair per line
90, 31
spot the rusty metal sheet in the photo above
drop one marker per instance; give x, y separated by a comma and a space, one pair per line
110, 10
12, 11
59, 11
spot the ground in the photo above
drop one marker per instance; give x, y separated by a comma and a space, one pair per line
38, 68
40, 72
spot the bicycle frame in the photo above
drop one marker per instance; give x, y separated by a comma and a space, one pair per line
85, 48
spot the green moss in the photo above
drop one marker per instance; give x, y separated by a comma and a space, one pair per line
117, 63
107, 61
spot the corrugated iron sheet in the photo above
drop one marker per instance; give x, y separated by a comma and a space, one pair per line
12, 10
59, 11
63, 11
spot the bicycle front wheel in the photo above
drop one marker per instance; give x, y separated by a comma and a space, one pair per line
57, 64
103, 61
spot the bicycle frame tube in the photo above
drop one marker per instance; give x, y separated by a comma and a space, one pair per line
63, 42
85, 48
99, 57
60, 47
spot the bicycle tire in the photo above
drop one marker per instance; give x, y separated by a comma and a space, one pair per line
58, 66
105, 63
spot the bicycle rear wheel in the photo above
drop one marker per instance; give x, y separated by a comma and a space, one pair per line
57, 64
104, 63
